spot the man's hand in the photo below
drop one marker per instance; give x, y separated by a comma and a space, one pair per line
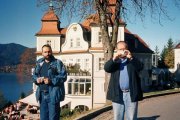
120, 54
116, 56
47, 81
129, 55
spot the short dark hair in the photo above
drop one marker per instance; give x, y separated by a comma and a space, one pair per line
122, 42
47, 45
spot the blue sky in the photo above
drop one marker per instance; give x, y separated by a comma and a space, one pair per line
21, 19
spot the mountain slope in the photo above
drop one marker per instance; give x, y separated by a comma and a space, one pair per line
10, 53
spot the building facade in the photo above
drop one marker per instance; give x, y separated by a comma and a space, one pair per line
177, 57
176, 70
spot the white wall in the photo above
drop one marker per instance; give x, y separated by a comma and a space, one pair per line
72, 59
99, 96
121, 33
74, 32
176, 58
97, 72
80, 100
55, 42
95, 35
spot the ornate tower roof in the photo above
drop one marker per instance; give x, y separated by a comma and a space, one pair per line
50, 23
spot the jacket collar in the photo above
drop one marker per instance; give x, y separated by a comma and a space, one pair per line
42, 60
52, 58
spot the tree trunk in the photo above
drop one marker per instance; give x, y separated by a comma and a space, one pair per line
108, 43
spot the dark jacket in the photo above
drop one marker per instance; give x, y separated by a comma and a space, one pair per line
114, 92
57, 74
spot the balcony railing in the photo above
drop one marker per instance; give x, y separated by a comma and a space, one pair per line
79, 74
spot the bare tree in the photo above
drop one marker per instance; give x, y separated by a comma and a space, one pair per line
122, 10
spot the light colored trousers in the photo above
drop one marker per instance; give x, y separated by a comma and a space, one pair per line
129, 108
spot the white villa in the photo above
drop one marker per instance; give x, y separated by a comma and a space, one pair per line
79, 46
177, 57
176, 69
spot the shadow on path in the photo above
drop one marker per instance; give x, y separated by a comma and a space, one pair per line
149, 118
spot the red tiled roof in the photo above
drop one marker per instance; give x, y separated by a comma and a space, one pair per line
63, 31
177, 46
94, 19
49, 28
90, 19
50, 15
50, 24
127, 31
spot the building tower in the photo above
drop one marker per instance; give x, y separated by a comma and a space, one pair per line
49, 33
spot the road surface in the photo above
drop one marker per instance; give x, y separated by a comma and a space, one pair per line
157, 108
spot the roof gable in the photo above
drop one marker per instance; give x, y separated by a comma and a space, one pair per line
135, 43
177, 46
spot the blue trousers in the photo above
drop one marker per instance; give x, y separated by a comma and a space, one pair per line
129, 108
48, 110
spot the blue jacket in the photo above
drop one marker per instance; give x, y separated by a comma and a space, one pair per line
57, 74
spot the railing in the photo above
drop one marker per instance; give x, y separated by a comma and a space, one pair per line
79, 74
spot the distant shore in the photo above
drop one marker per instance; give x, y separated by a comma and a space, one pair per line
19, 69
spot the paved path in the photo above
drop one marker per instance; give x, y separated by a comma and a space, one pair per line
158, 108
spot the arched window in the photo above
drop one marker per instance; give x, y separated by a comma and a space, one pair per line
79, 86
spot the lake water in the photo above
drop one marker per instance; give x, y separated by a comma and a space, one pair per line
12, 85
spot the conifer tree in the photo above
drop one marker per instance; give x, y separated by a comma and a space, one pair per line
161, 63
169, 57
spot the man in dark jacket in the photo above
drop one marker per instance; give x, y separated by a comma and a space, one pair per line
49, 75
124, 88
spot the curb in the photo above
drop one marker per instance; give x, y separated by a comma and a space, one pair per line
95, 113
162, 94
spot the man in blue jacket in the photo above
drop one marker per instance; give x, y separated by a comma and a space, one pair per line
49, 75
124, 88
